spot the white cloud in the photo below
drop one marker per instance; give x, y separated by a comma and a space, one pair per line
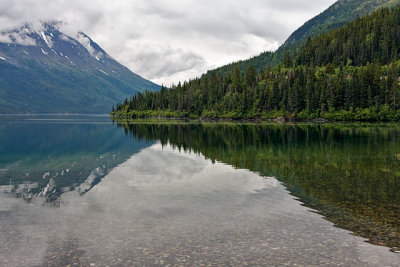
85, 41
171, 40
14, 38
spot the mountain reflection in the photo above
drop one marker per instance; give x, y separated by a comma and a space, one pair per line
143, 193
164, 206
46, 157
348, 173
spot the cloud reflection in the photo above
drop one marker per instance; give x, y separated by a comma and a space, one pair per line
164, 206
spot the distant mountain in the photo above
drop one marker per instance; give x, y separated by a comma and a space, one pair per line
47, 71
340, 13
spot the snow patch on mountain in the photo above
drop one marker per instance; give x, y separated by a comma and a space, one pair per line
102, 71
48, 70
47, 39
86, 42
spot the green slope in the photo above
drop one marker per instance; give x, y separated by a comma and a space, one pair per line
58, 89
336, 16
340, 13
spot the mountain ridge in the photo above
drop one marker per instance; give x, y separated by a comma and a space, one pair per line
335, 16
46, 71
331, 20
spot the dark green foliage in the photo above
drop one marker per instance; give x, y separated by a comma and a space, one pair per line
258, 62
337, 15
302, 92
322, 80
373, 38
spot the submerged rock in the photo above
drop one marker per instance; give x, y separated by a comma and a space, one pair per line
280, 120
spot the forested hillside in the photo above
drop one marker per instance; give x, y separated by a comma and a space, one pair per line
348, 74
374, 39
337, 15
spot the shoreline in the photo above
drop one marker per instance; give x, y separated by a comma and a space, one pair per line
217, 119
240, 121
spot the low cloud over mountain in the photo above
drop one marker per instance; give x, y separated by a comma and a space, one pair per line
167, 41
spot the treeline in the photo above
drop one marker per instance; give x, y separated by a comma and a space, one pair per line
374, 38
349, 74
335, 16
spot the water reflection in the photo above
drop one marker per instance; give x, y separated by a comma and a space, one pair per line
189, 194
163, 207
45, 156
348, 173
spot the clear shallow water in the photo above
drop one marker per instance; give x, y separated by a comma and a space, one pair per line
146, 200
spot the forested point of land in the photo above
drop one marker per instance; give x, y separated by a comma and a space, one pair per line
348, 74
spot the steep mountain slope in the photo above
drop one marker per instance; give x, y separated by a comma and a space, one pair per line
336, 16
46, 71
349, 74
340, 13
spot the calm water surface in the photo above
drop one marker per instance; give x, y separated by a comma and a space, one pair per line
83, 190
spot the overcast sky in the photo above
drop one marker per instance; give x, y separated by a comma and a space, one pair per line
168, 41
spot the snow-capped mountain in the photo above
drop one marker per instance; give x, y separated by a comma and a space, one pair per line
46, 71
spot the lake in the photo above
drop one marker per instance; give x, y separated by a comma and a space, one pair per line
86, 190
